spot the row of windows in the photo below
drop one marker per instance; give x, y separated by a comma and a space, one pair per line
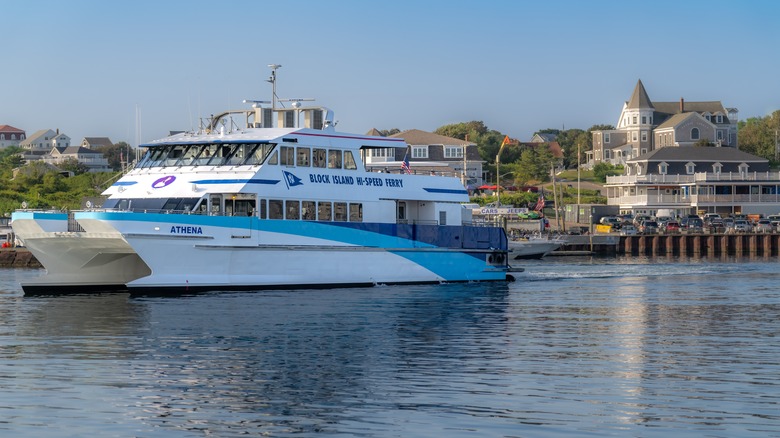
290, 209
264, 208
12, 137
246, 155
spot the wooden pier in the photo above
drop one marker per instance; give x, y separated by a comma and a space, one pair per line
700, 244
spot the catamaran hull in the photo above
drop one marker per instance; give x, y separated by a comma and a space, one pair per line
80, 262
196, 253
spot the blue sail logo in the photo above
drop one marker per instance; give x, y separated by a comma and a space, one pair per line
291, 180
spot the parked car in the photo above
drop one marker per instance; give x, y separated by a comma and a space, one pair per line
709, 217
717, 226
672, 227
648, 227
638, 219
612, 221
628, 230
741, 226
763, 226
775, 220
693, 225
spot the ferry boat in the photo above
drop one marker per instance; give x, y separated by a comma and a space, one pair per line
264, 198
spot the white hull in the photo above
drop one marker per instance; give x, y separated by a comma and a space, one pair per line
532, 248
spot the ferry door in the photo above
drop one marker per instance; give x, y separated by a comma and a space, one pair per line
216, 208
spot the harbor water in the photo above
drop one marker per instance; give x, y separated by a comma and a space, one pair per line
639, 347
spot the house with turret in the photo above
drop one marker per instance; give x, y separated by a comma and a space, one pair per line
683, 156
644, 126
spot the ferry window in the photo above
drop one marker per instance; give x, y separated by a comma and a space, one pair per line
243, 207
293, 210
334, 159
219, 155
340, 211
258, 154
262, 208
356, 212
349, 161
442, 218
324, 211
187, 204
238, 154
206, 154
308, 210
402, 210
154, 157
287, 156
173, 156
216, 205
187, 155
275, 210
319, 158
303, 157
171, 204
144, 159
273, 159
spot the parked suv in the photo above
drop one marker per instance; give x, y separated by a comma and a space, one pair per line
648, 227
693, 225
741, 226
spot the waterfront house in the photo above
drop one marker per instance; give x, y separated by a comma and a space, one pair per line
696, 180
96, 142
10, 136
93, 160
644, 126
430, 153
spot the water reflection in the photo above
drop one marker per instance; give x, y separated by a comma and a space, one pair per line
588, 347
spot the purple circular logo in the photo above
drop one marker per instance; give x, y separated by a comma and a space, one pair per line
164, 181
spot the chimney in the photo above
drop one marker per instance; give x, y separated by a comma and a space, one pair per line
682, 105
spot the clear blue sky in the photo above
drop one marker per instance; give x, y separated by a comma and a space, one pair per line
519, 66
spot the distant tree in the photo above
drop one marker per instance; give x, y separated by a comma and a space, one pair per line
463, 130
704, 142
602, 170
73, 165
115, 154
389, 132
758, 135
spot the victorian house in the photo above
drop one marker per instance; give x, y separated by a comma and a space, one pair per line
644, 126
683, 157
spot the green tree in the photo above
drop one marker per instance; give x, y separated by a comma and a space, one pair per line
758, 135
115, 154
602, 170
73, 165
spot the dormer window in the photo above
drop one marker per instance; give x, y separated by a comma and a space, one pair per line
716, 168
695, 134
743, 169
719, 118
690, 168
663, 168
708, 117
419, 151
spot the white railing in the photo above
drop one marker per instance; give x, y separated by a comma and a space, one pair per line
652, 178
651, 200
738, 176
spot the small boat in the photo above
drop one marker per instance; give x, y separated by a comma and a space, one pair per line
270, 197
534, 247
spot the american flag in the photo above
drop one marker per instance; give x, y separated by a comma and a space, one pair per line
405, 165
539, 203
